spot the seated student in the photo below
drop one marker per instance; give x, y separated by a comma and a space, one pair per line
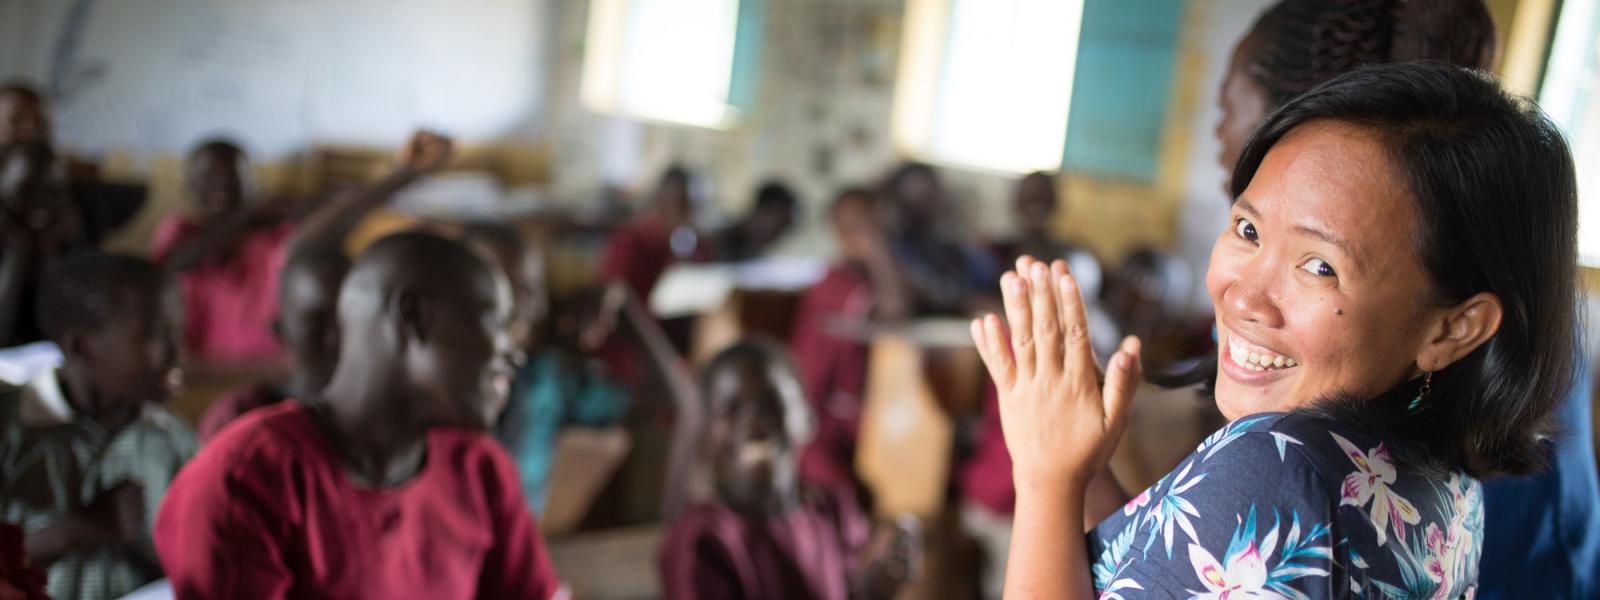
770, 218
759, 536
384, 484
23, 117
563, 382
663, 234
38, 225
555, 386
864, 284
1034, 206
308, 289
942, 273
308, 304
230, 251
86, 451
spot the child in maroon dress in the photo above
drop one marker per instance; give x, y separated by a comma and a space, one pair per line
308, 288
384, 484
640, 251
759, 536
832, 363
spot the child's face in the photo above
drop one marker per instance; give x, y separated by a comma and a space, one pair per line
216, 183
1035, 203
757, 424
530, 300
22, 119
33, 192
672, 202
308, 321
137, 355
465, 363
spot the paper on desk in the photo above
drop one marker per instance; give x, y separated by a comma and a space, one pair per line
691, 289
20, 364
160, 589
699, 288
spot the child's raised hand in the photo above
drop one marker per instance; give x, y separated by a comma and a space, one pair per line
1061, 422
426, 151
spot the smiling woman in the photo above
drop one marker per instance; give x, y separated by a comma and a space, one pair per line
1394, 299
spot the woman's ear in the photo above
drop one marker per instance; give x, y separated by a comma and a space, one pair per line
1460, 330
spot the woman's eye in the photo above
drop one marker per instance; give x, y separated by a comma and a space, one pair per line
1245, 229
1318, 267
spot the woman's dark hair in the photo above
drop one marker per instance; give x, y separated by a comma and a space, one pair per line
1496, 199
1297, 44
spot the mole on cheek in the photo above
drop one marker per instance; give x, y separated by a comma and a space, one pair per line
1338, 311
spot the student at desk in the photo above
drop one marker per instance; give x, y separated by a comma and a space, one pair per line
864, 284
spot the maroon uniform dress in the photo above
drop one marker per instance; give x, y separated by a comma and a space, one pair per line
833, 371
265, 510
714, 553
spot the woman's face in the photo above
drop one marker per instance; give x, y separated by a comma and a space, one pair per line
1315, 275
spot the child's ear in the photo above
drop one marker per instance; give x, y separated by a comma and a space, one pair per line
76, 347
411, 321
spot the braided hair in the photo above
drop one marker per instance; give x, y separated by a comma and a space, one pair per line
1297, 44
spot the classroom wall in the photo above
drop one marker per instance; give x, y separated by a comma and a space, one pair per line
821, 121
134, 84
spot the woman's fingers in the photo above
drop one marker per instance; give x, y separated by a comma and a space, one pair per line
990, 334
1046, 324
1014, 289
1079, 353
1122, 378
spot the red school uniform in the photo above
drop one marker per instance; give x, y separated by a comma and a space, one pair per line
265, 510
833, 371
986, 477
640, 251
714, 553
229, 305
233, 404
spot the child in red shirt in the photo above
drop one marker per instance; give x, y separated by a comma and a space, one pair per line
760, 536
308, 287
832, 363
229, 253
384, 484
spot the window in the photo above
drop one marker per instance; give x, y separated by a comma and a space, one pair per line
678, 61
1569, 96
987, 83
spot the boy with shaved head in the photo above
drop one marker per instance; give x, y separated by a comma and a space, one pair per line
383, 484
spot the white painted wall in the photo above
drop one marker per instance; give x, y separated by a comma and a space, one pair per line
154, 76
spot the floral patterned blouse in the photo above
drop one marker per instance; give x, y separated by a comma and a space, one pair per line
1293, 506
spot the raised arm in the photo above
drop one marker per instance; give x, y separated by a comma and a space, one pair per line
1061, 424
670, 367
330, 225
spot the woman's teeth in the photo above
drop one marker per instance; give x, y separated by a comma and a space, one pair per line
1257, 360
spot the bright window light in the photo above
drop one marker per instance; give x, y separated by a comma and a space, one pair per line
987, 83
1569, 97
663, 60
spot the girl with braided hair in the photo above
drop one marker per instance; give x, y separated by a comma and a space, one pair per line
1296, 44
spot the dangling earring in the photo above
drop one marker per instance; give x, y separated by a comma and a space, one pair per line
1427, 386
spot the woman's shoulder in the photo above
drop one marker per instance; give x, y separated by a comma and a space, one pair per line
1294, 502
